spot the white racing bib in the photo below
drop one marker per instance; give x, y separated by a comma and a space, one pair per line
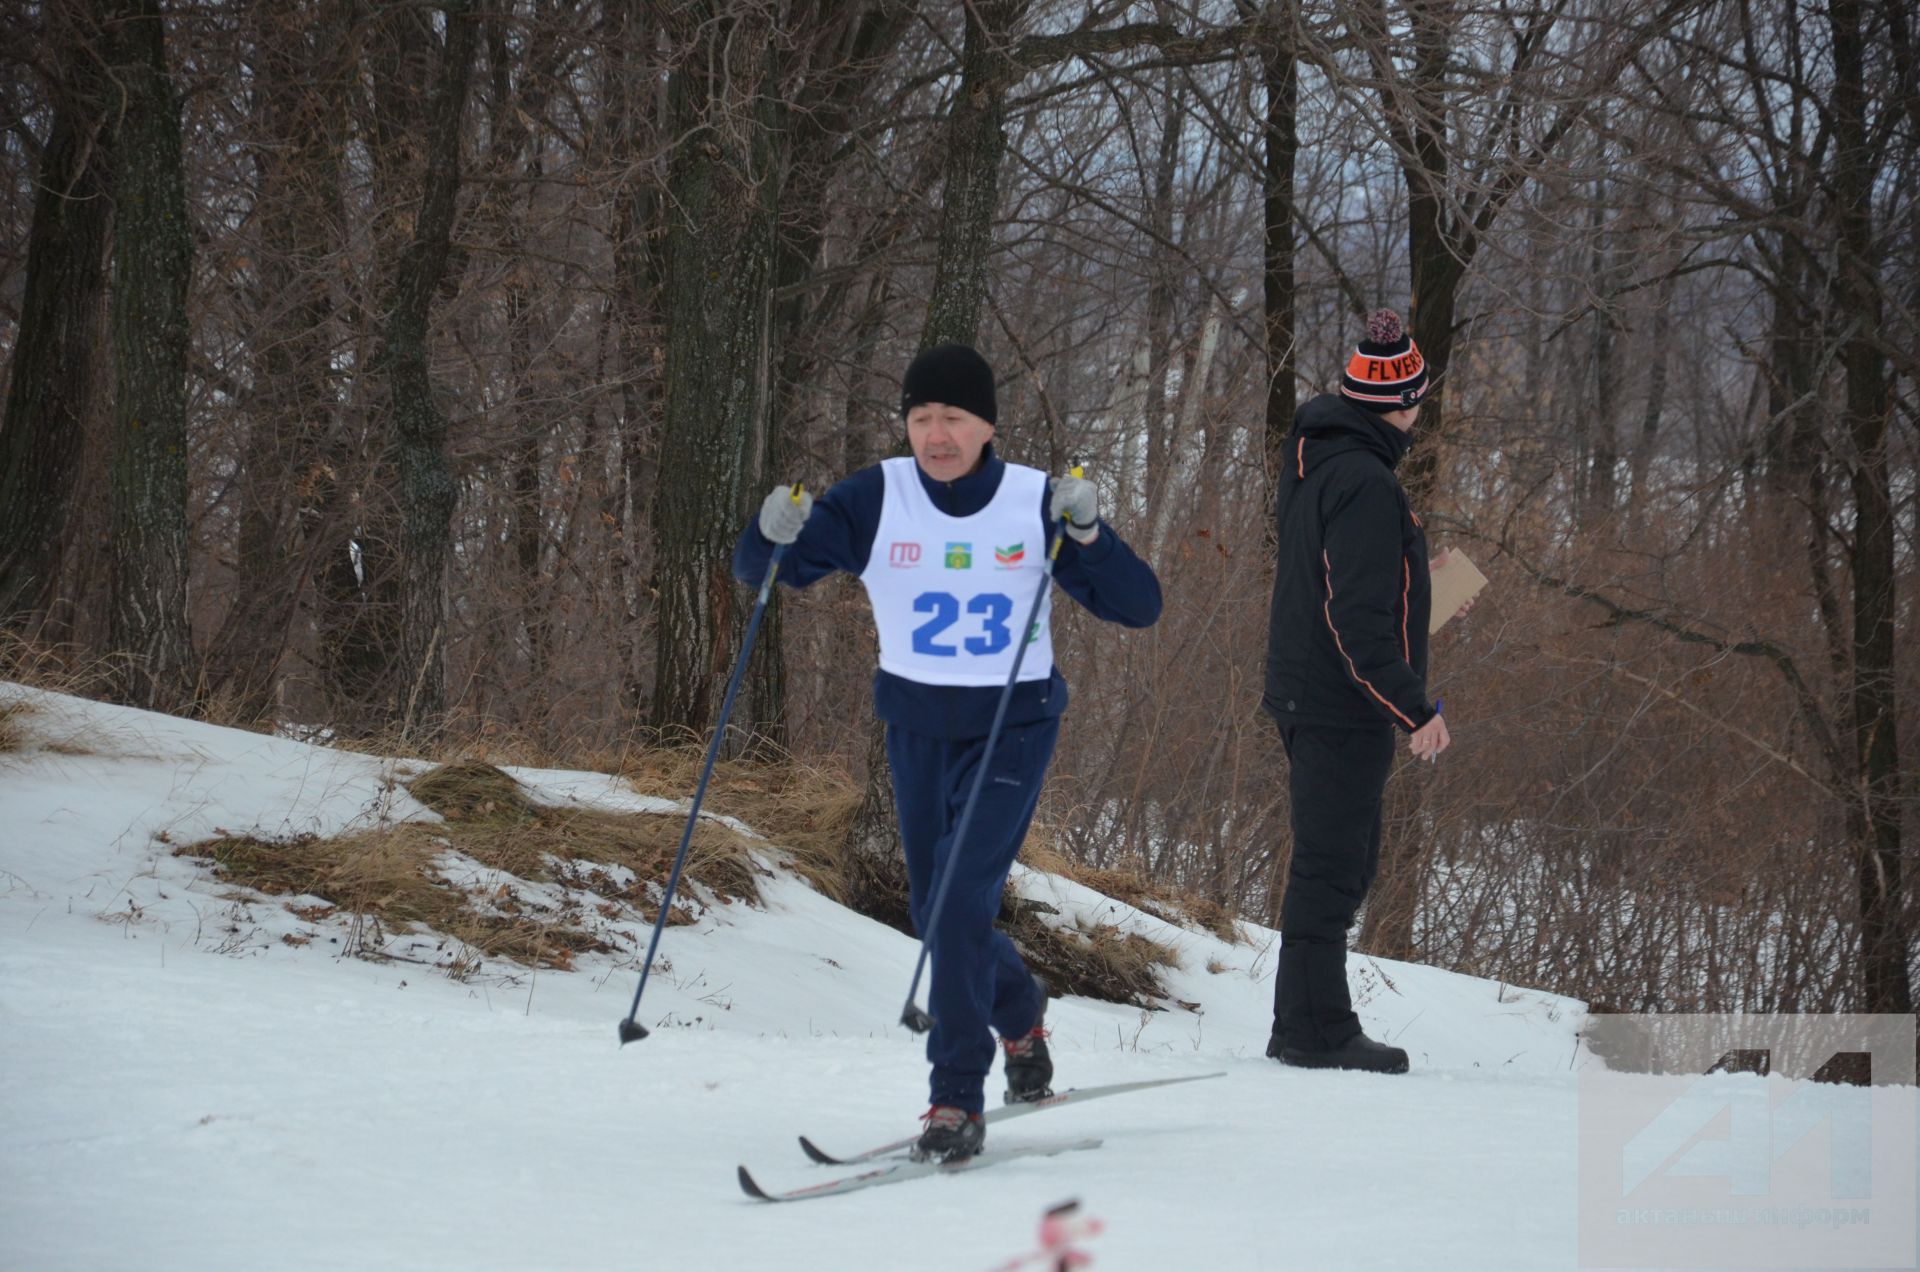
949, 593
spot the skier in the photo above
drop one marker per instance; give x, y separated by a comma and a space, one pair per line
951, 545
1346, 665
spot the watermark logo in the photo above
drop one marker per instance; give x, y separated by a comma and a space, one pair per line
1735, 1141
959, 556
903, 555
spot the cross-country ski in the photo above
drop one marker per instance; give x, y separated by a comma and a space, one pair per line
1004, 1113
900, 1172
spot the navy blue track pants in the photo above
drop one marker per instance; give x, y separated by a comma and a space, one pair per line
979, 985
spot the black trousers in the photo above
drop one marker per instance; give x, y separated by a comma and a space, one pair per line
1336, 778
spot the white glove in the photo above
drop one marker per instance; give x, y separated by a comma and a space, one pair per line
1078, 500
781, 515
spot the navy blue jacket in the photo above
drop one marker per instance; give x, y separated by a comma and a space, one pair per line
1347, 633
1105, 577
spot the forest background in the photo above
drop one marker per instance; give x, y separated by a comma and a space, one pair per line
407, 370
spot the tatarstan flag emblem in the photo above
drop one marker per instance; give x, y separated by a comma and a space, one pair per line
1010, 555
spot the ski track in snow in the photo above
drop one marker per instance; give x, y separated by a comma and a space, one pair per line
183, 1090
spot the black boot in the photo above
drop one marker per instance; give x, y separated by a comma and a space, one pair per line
1358, 1052
952, 1135
1029, 1066
1311, 1002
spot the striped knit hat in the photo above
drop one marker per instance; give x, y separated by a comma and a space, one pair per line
1386, 373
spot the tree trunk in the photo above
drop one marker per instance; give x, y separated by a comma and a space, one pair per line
1595, 495
419, 432
720, 246
1885, 941
514, 165
638, 228
838, 74
1790, 441
358, 586
1437, 259
877, 872
152, 259
970, 193
1164, 271
1277, 176
51, 388
287, 484
1647, 440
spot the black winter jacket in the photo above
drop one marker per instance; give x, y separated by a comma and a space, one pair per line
1347, 634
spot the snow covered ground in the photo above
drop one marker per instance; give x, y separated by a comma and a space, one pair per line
180, 1088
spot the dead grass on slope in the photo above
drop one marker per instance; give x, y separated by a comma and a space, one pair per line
390, 878
12, 736
1137, 889
801, 807
805, 808
1093, 961
57, 668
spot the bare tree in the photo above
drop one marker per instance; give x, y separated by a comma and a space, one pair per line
419, 430
50, 387
722, 191
289, 471
152, 256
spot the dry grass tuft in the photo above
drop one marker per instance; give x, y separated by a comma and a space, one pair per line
57, 668
467, 791
1093, 961
372, 873
16, 738
1134, 888
12, 736
802, 807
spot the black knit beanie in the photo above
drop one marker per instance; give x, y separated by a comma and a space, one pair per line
1386, 373
952, 375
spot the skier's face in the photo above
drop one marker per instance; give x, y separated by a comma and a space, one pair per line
946, 440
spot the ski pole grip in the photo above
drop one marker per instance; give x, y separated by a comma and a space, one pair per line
1074, 469
799, 488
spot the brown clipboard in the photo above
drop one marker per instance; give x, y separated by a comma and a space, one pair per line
1454, 584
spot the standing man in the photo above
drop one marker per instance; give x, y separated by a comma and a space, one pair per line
1346, 666
952, 546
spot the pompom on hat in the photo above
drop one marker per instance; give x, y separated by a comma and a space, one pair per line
1386, 372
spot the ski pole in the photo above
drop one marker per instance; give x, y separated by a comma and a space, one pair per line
911, 1016
632, 1030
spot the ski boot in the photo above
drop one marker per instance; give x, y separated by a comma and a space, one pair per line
952, 1135
1029, 1066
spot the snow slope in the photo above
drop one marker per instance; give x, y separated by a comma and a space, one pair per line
184, 1090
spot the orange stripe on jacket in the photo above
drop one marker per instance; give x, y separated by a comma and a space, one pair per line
1352, 670
1406, 585
1301, 451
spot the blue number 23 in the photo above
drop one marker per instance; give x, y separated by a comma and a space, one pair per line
993, 608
